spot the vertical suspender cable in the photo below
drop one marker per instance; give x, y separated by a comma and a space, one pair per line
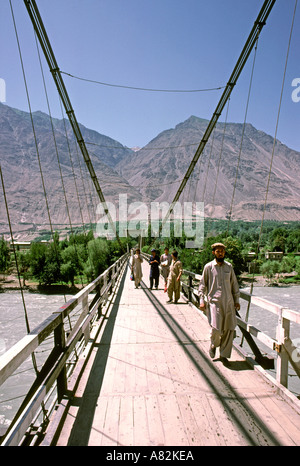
219, 162
277, 122
56, 74
53, 133
255, 31
242, 139
272, 157
17, 266
31, 118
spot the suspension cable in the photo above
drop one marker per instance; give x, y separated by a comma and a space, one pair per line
208, 165
276, 128
219, 160
270, 169
242, 138
37, 22
142, 88
255, 31
53, 133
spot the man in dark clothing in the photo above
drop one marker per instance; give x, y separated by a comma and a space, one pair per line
154, 269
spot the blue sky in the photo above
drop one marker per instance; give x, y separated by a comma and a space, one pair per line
158, 44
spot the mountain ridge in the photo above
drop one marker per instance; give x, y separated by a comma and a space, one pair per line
152, 173
221, 169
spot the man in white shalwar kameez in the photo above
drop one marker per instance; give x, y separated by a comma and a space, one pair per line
219, 284
165, 262
136, 267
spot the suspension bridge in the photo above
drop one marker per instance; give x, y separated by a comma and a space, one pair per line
133, 370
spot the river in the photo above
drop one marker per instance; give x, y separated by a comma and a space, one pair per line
39, 306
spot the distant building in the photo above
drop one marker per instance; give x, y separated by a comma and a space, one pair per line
20, 245
23, 245
251, 264
275, 255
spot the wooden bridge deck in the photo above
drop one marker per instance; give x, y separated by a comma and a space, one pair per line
150, 381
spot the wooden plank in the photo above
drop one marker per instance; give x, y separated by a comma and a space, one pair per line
140, 420
294, 354
131, 381
15, 435
16, 355
161, 387
155, 426
111, 426
97, 435
206, 421
174, 429
125, 421
264, 338
265, 304
227, 431
194, 433
142, 353
165, 378
152, 370
285, 432
291, 315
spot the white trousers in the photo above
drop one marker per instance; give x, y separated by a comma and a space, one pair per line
222, 339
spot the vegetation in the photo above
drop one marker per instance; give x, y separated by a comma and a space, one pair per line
241, 239
4, 255
82, 257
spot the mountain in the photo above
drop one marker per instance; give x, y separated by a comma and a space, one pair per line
224, 174
152, 173
24, 179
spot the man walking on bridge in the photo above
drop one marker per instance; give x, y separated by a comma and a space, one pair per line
154, 269
219, 284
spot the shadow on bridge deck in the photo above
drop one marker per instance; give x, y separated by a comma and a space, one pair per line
150, 381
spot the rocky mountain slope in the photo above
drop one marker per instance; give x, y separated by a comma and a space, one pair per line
23, 173
150, 174
224, 174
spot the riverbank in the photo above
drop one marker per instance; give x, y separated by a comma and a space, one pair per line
11, 283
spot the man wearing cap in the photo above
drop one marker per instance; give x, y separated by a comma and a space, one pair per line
154, 269
219, 284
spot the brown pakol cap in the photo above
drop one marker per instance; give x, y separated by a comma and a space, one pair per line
220, 245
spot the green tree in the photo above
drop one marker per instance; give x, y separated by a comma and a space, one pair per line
51, 272
269, 269
278, 239
4, 255
38, 260
233, 253
72, 262
24, 264
293, 241
45, 261
98, 258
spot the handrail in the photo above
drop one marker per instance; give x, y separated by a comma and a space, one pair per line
54, 369
285, 349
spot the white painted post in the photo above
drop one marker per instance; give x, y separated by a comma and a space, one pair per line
283, 332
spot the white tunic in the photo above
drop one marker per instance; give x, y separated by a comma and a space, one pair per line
220, 285
165, 269
137, 266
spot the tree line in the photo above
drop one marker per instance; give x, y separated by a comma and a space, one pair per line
241, 239
82, 257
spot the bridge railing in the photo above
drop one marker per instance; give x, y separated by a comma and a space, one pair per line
285, 350
51, 382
